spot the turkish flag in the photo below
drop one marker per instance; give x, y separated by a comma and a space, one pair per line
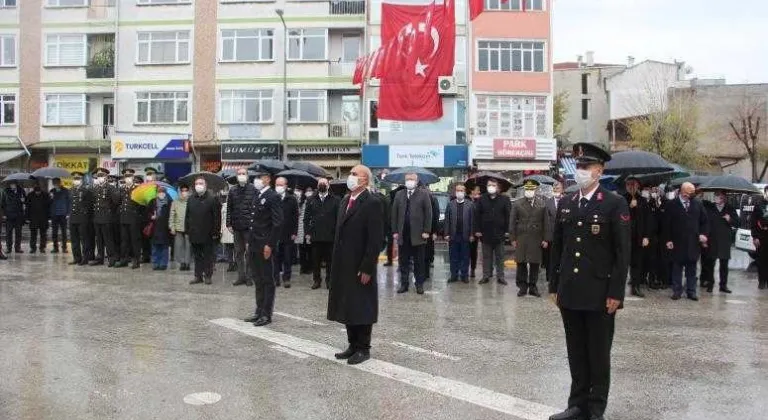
418, 44
475, 8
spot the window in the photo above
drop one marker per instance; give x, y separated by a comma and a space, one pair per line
512, 116
7, 109
585, 109
163, 47
7, 51
245, 106
247, 44
461, 122
65, 50
7, 3
526, 56
460, 64
306, 105
514, 5
585, 84
66, 109
307, 44
150, 2
67, 3
373, 122
162, 107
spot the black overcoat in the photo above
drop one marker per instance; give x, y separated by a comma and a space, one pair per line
720, 230
320, 218
683, 228
203, 219
38, 206
359, 233
161, 234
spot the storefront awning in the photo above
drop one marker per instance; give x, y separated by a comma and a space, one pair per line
501, 165
568, 164
235, 165
6, 155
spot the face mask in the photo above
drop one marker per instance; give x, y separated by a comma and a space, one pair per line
149, 178
322, 188
460, 195
410, 184
129, 180
161, 196
529, 193
199, 188
242, 179
671, 195
184, 194
583, 178
492, 189
654, 195
309, 194
297, 193
280, 189
645, 194
557, 195
352, 182
77, 182
258, 183
112, 183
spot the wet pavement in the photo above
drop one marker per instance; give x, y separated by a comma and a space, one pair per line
99, 343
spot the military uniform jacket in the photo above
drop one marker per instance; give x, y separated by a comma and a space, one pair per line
82, 205
590, 251
267, 222
105, 199
760, 222
130, 211
529, 227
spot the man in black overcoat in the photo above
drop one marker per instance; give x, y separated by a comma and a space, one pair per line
320, 229
353, 299
203, 225
723, 220
639, 215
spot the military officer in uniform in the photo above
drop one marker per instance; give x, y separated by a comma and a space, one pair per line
114, 182
131, 216
530, 234
760, 239
105, 197
590, 259
80, 220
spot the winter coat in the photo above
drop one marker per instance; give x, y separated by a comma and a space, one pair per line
38, 209
178, 215
240, 207
290, 218
683, 228
420, 210
492, 218
720, 230
61, 201
161, 234
203, 218
320, 218
226, 236
12, 203
451, 220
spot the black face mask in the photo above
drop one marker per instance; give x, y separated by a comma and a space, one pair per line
322, 188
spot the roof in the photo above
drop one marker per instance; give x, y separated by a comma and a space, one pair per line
574, 65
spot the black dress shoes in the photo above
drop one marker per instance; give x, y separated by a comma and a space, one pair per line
502, 282
402, 289
453, 280
239, 282
358, 357
197, 280
676, 297
710, 289
135, 265
725, 290
252, 318
693, 298
262, 321
287, 284
95, 263
74, 262
207, 279
419, 289
346, 354
637, 292
522, 292
534, 291
316, 285
572, 413
484, 281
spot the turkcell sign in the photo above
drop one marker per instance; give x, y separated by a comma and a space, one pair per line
150, 146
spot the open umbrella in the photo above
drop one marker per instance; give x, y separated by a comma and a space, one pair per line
309, 167
272, 166
298, 179
21, 178
541, 179
680, 171
648, 180
729, 183
145, 193
227, 173
213, 181
633, 162
51, 172
425, 176
481, 178
696, 180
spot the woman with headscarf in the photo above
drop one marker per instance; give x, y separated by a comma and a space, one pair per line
160, 237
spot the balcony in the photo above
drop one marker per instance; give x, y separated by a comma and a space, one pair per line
98, 132
347, 7
340, 69
101, 51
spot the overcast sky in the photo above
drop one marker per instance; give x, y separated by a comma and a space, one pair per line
716, 38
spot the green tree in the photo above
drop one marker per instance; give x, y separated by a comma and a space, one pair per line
746, 131
560, 112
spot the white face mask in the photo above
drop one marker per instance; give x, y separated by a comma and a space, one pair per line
583, 178
297, 193
645, 194
529, 193
557, 194
129, 180
460, 195
352, 182
410, 184
77, 182
149, 178
492, 189
258, 183
309, 194
199, 188
280, 189
671, 195
654, 195
242, 179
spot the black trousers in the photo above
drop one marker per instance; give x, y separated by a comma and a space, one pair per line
38, 232
146, 249
242, 239
707, 275
762, 260
359, 337
104, 242
205, 257
81, 241
473, 254
429, 255
589, 337
636, 266
525, 277
390, 248
116, 238
130, 242
408, 254
305, 258
13, 233
321, 253
262, 270
59, 223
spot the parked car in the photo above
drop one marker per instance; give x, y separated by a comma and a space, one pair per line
745, 205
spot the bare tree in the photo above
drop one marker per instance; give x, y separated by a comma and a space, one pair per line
746, 130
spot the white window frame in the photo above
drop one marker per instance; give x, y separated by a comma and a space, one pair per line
57, 4
510, 47
83, 43
262, 35
179, 96
506, 6
162, 2
3, 37
56, 98
483, 114
300, 98
179, 40
301, 45
4, 4
3, 102
456, 120
237, 98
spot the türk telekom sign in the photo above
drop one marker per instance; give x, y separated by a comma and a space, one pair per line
514, 149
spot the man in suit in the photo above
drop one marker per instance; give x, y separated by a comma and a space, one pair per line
760, 239
685, 232
492, 213
590, 258
320, 229
723, 220
429, 250
459, 217
412, 227
80, 220
639, 215
12, 205
552, 205
475, 197
353, 299
267, 226
288, 236
530, 234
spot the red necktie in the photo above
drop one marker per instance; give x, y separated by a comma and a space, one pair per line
350, 204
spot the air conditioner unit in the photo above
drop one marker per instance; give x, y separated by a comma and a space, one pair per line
337, 130
446, 85
373, 82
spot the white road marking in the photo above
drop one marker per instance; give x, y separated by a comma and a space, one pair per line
202, 398
289, 351
298, 318
472, 394
736, 301
425, 351
431, 292
632, 299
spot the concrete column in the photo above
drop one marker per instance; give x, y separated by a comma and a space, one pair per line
30, 63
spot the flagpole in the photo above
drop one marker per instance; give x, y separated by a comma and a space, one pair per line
468, 66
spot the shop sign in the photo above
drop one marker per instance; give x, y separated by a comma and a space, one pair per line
72, 163
150, 146
420, 156
324, 150
110, 165
514, 149
249, 151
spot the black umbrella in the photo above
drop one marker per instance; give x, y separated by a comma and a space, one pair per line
227, 173
272, 166
214, 181
696, 180
21, 178
309, 167
729, 183
425, 176
636, 162
541, 179
298, 179
481, 179
648, 180
51, 172
339, 187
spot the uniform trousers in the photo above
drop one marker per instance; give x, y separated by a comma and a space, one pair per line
130, 241
708, 271
321, 253
588, 338
527, 275
305, 258
204, 259
262, 271
242, 239
104, 242
493, 256
59, 223
81, 241
359, 337
636, 266
38, 232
